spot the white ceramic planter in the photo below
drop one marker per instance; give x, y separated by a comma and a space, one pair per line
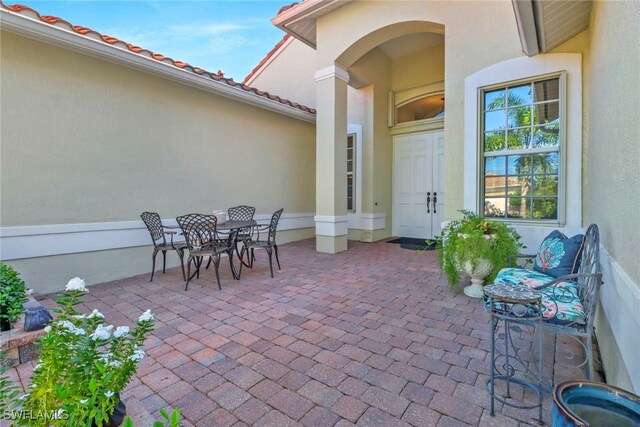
482, 268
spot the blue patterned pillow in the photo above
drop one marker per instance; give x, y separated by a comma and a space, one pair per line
559, 255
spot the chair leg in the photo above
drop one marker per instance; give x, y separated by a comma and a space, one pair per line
181, 255
164, 262
275, 247
253, 258
216, 264
269, 252
188, 272
208, 264
153, 259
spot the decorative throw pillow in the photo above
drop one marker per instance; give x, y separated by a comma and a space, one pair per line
559, 255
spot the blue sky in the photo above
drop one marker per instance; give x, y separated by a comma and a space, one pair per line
232, 36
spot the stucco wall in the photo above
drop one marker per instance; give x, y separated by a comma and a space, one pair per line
290, 73
86, 141
612, 180
471, 43
418, 68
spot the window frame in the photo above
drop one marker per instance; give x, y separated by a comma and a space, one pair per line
353, 172
561, 148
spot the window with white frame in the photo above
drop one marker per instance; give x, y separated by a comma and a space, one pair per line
351, 173
520, 144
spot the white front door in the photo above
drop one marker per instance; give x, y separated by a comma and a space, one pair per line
418, 184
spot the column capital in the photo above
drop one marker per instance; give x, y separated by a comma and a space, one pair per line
332, 71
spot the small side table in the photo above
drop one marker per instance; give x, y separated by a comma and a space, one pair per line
514, 304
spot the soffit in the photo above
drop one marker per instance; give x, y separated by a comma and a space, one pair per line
300, 20
545, 24
560, 20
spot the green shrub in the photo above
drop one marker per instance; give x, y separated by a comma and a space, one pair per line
472, 238
13, 294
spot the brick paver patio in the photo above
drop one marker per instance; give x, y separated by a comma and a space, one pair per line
371, 336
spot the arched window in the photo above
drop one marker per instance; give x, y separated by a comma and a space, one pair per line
427, 107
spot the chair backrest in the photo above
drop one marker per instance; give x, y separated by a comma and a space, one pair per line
273, 225
589, 287
154, 225
198, 229
241, 213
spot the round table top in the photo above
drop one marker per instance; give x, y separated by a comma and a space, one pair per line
512, 293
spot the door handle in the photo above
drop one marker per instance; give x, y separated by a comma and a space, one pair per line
435, 199
428, 201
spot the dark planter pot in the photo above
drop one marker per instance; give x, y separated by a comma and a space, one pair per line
4, 325
586, 403
117, 417
36, 318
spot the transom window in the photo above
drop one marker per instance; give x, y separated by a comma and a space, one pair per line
520, 143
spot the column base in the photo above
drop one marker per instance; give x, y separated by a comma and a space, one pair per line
331, 244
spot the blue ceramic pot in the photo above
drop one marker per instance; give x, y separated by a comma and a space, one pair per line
36, 318
586, 403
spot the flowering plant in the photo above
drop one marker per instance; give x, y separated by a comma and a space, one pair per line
83, 363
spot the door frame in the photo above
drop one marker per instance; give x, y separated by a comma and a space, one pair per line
394, 230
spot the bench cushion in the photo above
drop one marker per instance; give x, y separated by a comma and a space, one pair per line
561, 303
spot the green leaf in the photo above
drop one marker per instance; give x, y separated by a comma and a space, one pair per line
128, 422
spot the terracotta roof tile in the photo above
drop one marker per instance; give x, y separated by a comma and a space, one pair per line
87, 32
285, 8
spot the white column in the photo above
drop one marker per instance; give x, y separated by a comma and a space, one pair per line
331, 159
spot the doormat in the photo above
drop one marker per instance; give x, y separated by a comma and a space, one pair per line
414, 244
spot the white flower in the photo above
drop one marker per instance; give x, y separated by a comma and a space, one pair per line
102, 333
47, 329
67, 325
115, 363
137, 355
146, 316
109, 393
95, 313
79, 331
79, 316
120, 331
76, 284
83, 401
104, 358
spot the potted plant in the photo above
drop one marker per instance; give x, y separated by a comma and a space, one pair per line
477, 247
84, 364
13, 295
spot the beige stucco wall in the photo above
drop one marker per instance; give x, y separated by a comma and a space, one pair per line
84, 140
612, 180
290, 73
418, 68
471, 43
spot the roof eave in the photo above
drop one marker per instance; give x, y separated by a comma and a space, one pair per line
37, 30
308, 10
526, 22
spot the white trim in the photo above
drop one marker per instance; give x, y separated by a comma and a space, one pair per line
60, 36
330, 72
332, 226
58, 239
367, 221
526, 24
525, 68
620, 298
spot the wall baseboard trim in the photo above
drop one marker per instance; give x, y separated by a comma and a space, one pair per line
332, 226
366, 221
620, 299
58, 239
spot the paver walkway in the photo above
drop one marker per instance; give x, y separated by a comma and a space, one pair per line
371, 336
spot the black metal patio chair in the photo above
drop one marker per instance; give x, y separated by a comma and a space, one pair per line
267, 241
203, 241
158, 233
241, 213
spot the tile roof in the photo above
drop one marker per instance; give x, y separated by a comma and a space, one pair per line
266, 58
87, 32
